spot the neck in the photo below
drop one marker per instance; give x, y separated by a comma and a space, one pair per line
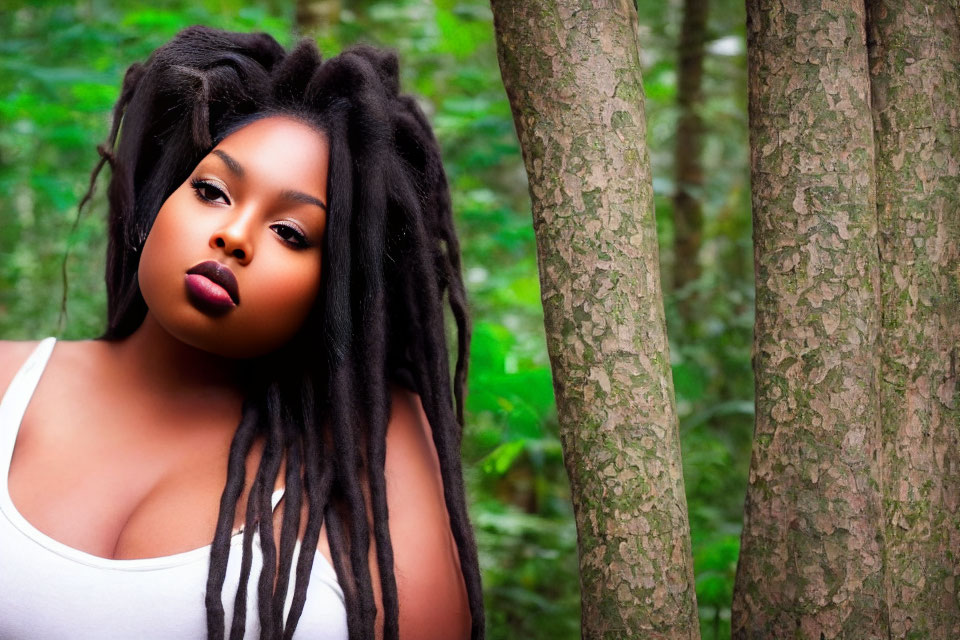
161, 362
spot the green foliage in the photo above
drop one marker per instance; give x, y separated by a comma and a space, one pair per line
61, 67
60, 71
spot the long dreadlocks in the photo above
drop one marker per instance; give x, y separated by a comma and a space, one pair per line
390, 257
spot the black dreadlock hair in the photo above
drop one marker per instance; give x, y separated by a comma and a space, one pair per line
391, 248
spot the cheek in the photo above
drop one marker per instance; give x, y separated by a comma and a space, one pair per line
284, 297
160, 260
151, 271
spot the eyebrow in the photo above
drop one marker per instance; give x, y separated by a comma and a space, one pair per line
287, 194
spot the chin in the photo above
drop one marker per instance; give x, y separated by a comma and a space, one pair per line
229, 335
202, 332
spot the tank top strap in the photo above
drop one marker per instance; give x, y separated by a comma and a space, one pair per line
276, 498
14, 403
15, 400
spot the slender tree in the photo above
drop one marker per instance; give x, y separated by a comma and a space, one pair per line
915, 77
688, 167
572, 75
811, 560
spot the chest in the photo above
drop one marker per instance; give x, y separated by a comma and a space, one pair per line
118, 479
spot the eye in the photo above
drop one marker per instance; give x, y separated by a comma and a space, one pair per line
291, 235
207, 192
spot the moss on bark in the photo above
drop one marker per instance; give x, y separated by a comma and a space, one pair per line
572, 74
811, 561
915, 79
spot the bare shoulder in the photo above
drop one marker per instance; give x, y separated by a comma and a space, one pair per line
431, 590
410, 430
73, 356
13, 353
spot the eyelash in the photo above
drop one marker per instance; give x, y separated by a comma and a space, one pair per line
298, 240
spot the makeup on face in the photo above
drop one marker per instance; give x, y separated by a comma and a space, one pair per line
290, 194
232, 263
212, 287
214, 191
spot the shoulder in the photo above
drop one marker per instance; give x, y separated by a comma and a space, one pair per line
71, 360
430, 586
410, 437
12, 356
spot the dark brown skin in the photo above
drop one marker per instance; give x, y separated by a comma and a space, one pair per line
123, 450
244, 222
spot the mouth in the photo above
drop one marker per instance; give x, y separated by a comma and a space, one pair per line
212, 287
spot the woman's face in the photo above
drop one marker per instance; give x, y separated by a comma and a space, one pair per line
232, 262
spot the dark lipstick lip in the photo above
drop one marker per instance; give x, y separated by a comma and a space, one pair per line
219, 274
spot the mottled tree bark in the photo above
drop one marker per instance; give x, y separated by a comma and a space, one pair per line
572, 74
811, 561
915, 76
688, 169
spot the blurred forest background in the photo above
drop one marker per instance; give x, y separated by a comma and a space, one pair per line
61, 66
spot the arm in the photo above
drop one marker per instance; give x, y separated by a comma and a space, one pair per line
431, 590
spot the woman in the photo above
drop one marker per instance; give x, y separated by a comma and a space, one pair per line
274, 374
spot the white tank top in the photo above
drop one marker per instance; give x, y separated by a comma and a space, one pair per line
49, 591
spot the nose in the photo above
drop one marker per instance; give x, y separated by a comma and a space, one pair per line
234, 239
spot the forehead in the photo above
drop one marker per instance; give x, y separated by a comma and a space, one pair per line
275, 147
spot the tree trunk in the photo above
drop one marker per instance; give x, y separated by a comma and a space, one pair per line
688, 170
314, 15
915, 74
811, 561
572, 74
